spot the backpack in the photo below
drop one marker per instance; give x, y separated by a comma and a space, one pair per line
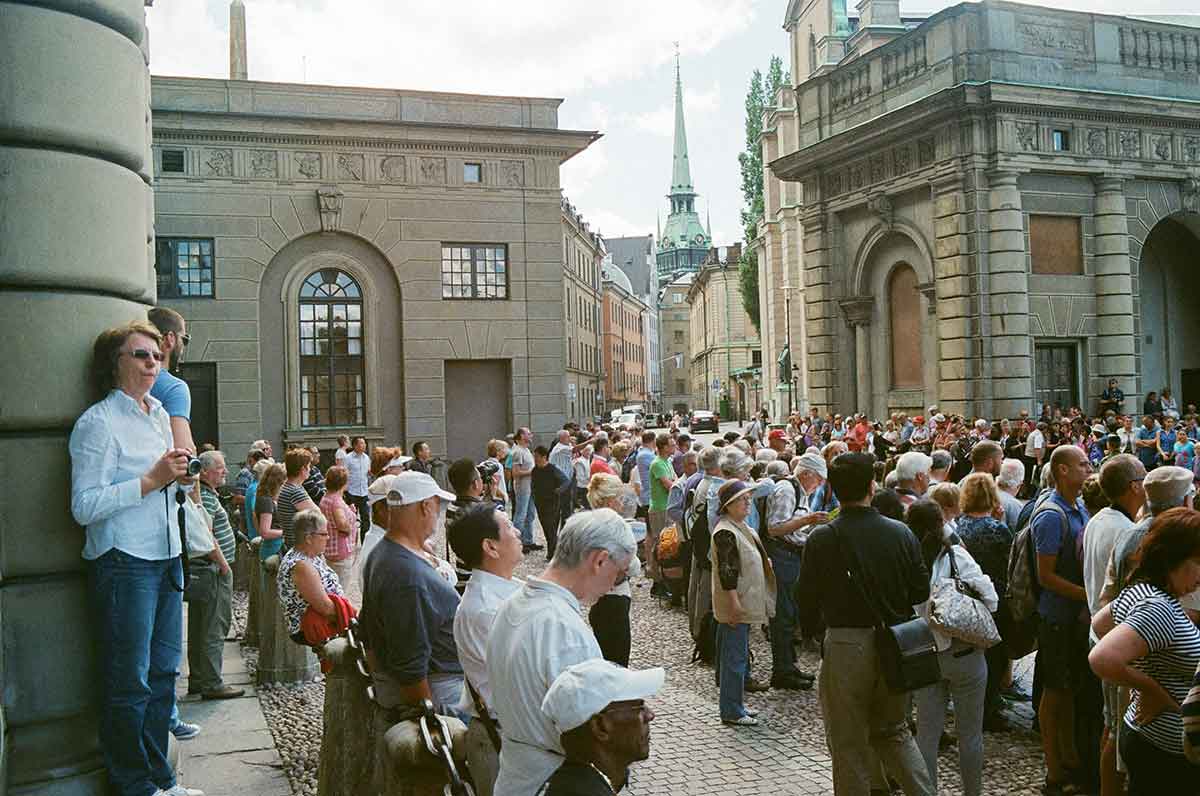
695, 516
705, 650
627, 467
1023, 587
762, 503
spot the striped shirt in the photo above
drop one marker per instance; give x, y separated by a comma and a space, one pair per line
222, 529
1174, 644
290, 496
1191, 721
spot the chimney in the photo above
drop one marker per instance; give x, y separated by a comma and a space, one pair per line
237, 40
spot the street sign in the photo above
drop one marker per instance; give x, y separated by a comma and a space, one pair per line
716, 385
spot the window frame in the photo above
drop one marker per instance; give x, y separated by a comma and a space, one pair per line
328, 302
479, 173
475, 271
162, 160
205, 248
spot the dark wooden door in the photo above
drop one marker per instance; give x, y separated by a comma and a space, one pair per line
1190, 393
1056, 376
201, 378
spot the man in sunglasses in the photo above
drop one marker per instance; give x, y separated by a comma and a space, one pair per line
171, 390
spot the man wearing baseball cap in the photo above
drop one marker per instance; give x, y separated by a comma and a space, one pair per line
599, 709
408, 608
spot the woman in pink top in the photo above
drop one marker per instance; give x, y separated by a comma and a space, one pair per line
343, 520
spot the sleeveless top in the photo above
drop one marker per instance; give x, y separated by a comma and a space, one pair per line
293, 604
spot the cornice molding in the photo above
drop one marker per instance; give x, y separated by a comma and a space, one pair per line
398, 146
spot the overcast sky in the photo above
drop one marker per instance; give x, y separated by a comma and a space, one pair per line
611, 62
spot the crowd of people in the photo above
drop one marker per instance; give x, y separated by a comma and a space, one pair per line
983, 540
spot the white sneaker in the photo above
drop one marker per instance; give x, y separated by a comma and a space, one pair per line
179, 790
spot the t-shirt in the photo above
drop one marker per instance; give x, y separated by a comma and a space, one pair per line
290, 496
1174, 643
264, 504
248, 510
521, 459
576, 779
601, 466
660, 468
174, 393
1101, 535
1148, 456
1047, 530
644, 458
407, 618
1034, 442
222, 529
1185, 454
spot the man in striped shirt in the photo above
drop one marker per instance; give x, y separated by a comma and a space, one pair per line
210, 594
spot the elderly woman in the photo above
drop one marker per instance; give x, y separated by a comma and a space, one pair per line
947, 495
1149, 644
964, 671
123, 469
340, 547
743, 596
305, 579
497, 453
264, 510
609, 617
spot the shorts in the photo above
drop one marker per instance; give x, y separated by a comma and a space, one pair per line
1062, 654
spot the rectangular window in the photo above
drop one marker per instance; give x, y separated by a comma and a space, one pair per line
474, 271
184, 267
472, 172
1056, 245
678, 335
1061, 140
755, 358
172, 161
677, 298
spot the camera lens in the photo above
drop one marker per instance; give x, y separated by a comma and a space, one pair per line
194, 467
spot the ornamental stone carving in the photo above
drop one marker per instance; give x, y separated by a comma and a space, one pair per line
1191, 149
901, 160
308, 164
217, 162
881, 205
1097, 142
1189, 193
394, 168
857, 176
329, 203
925, 151
264, 163
433, 170
857, 310
512, 173
350, 167
1162, 147
1027, 136
1130, 143
878, 168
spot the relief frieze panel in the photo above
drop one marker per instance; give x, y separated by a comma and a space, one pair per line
432, 170
264, 163
217, 162
350, 167
308, 164
394, 168
895, 162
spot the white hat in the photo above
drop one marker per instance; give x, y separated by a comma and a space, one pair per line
939, 418
812, 462
1168, 486
585, 689
398, 461
379, 488
407, 488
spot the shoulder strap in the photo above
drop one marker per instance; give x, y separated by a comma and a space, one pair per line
484, 716
851, 562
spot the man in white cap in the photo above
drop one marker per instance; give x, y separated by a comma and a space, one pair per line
408, 609
600, 712
539, 632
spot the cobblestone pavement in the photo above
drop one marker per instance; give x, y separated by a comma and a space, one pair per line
692, 753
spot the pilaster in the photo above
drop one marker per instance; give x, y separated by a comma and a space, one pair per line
957, 324
858, 311
1114, 289
820, 325
1011, 354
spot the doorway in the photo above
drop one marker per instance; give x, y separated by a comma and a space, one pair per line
1056, 375
201, 378
1169, 327
477, 405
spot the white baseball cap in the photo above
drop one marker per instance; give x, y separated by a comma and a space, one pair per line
407, 488
585, 689
398, 461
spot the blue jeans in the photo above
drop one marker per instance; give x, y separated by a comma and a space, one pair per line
523, 515
733, 655
139, 627
783, 653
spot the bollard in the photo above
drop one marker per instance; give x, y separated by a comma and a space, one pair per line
280, 660
403, 767
241, 567
347, 745
252, 635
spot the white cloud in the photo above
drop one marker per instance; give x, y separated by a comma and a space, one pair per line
697, 107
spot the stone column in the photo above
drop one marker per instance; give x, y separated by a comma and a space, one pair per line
1011, 354
73, 261
820, 324
280, 660
958, 327
1114, 291
858, 315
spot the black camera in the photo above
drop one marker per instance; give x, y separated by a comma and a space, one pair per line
194, 468
487, 470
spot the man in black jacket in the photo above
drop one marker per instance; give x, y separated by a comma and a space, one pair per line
548, 484
861, 715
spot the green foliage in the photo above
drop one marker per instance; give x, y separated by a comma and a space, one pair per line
759, 97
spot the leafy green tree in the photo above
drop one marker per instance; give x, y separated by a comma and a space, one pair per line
759, 97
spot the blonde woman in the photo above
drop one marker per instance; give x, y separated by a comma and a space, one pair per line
609, 617
946, 495
264, 510
497, 452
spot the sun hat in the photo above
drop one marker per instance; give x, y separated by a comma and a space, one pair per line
813, 462
1168, 486
585, 689
731, 491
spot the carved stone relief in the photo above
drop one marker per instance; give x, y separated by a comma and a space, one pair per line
512, 173
857, 175
881, 205
217, 162
1191, 149
433, 170
1097, 142
925, 151
308, 164
350, 167
264, 163
901, 160
393, 168
1045, 35
1162, 147
878, 168
1027, 136
329, 203
1130, 142
1189, 193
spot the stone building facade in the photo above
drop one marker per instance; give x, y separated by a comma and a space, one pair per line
625, 347
363, 261
726, 354
987, 211
635, 257
583, 252
675, 333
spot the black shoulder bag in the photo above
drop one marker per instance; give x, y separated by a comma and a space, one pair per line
907, 651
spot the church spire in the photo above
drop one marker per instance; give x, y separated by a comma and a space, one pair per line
681, 172
237, 40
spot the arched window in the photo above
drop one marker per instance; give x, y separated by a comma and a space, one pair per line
904, 305
332, 377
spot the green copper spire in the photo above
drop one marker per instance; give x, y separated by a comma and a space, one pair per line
681, 172
683, 242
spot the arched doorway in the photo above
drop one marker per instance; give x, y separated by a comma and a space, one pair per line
1170, 325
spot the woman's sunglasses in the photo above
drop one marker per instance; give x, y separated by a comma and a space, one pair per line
145, 353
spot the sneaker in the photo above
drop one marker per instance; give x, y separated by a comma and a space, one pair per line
751, 712
185, 732
744, 721
179, 790
803, 675
1014, 694
224, 692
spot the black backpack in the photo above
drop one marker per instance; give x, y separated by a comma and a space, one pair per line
627, 467
705, 650
695, 517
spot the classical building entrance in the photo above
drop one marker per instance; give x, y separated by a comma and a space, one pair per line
1056, 375
1170, 326
477, 406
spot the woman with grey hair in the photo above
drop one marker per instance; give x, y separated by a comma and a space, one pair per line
305, 579
609, 617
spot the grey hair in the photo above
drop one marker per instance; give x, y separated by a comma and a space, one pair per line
208, 460
940, 460
743, 446
765, 455
710, 457
308, 522
891, 479
1012, 473
734, 463
261, 468
691, 456
1047, 476
912, 464
586, 531
777, 467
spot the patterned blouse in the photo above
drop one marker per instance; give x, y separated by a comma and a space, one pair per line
293, 604
989, 541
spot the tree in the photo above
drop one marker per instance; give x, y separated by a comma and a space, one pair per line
759, 98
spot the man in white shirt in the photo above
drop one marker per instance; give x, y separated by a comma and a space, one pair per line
1012, 475
522, 472
486, 541
358, 468
539, 632
1035, 450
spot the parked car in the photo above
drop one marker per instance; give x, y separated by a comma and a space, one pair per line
627, 421
704, 420
654, 420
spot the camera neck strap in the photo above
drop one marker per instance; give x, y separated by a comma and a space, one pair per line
180, 497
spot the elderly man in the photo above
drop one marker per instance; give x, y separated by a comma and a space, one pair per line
699, 532
1012, 476
600, 712
210, 592
912, 476
408, 608
539, 632
486, 541
940, 462
788, 521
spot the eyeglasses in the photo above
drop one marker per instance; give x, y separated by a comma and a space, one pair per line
145, 353
183, 338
